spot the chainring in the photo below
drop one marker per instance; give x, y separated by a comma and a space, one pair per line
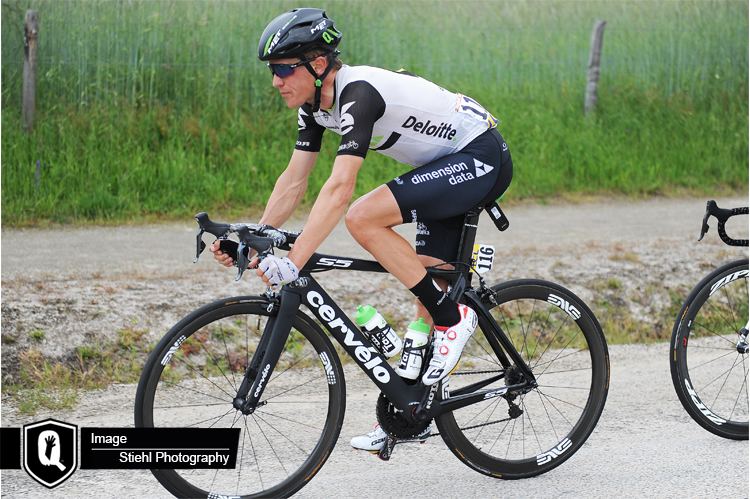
395, 422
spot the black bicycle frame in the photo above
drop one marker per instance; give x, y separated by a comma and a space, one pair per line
307, 291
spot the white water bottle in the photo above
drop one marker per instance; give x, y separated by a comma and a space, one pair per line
382, 336
415, 339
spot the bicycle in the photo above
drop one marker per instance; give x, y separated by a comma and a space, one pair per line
709, 345
530, 389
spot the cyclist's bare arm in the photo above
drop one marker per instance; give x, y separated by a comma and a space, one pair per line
287, 193
289, 189
329, 207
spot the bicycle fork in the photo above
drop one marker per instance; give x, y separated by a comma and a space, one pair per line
266, 356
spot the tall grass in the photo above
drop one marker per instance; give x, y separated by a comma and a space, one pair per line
162, 107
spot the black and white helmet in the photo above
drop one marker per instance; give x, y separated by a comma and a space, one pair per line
297, 32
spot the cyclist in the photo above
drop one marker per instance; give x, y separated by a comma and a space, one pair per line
459, 161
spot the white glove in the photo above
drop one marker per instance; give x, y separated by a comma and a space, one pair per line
279, 271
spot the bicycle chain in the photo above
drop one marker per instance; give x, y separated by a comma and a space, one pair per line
475, 426
479, 425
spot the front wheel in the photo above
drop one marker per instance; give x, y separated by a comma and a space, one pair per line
709, 366
193, 375
520, 435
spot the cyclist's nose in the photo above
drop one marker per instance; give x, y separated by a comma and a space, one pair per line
277, 82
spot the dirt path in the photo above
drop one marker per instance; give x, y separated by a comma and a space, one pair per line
66, 288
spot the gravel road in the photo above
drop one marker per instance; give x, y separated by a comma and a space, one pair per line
80, 286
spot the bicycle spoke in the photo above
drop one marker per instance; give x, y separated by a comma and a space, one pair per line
200, 374
290, 389
566, 370
539, 360
271, 446
548, 397
565, 387
731, 306
280, 433
726, 378
546, 411
255, 454
531, 424
714, 359
732, 347
216, 418
488, 418
287, 419
718, 335
475, 416
165, 382
226, 350
205, 349
557, 357
718, 377
289, 367
742, 388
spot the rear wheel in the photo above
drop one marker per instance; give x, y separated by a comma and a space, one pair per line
709, 369
524, 434
192, 377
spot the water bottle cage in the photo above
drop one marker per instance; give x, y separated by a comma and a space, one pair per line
411, 349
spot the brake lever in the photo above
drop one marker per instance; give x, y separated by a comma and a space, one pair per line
242, 260
199, 245
704, 227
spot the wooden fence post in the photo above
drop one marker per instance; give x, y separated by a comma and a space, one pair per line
31, 33
592, 79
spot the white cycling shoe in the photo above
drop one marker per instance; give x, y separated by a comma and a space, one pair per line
375, 440
448, 345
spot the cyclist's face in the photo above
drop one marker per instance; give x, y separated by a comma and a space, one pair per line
298, 87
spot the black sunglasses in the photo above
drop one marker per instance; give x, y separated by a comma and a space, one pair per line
284, 70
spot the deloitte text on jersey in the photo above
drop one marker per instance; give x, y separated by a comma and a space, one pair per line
441, 131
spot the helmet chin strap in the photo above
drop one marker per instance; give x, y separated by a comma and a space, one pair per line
319, 80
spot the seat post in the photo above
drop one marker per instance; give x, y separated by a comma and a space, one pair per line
468, 236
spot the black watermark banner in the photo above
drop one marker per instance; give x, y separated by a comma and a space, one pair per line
167, 448
10, 448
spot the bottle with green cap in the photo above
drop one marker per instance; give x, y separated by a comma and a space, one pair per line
382, 336
415, 342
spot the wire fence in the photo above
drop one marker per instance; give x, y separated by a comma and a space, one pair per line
203, 53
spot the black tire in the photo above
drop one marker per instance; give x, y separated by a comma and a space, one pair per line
561, 340
709, 374
283, 443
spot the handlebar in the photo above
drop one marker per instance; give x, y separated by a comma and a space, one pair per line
261, 238
722, 215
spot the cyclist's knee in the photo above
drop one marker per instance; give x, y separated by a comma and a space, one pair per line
356, 218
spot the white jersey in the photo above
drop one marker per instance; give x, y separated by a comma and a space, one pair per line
397, 114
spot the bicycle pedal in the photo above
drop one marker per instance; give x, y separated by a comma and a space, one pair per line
411, 441
387, 450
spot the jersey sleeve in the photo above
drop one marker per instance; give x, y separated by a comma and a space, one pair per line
309, 132
361, 106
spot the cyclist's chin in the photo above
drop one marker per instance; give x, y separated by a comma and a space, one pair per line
292, 101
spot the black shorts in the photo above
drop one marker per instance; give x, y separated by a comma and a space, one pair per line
437, 195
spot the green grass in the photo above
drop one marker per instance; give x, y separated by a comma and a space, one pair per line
159, 108
43, 383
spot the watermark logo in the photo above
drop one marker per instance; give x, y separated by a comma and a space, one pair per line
50, 451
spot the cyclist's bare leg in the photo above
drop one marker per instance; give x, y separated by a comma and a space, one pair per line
370, 221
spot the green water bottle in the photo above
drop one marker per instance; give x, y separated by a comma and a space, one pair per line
415, 339
382, 336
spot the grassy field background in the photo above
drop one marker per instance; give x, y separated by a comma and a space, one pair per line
160, 108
